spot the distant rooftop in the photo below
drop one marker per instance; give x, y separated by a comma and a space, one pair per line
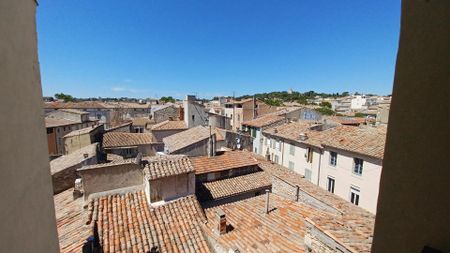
185, 138
121, 139
170, 125
166, 166
82, 131
66, 161
223, 161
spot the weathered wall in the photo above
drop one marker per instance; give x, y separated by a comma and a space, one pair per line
246, 141
65, 179
414, 190
110, 177
173, 187
161, 134
74, 143
27, 215
167, 113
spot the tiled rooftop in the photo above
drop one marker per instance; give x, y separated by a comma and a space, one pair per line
369, 141
354, 226
264, 120
70, 222
185, 138
166, 166
141, 121
223, 161
170, 125
233, 186
74, 111
121, 139
67, 161
291, 131
82, 131
115, 127
54, 122
281, 230
126, 223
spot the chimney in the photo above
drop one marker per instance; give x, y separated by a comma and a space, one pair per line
267, 201
78, 189
234, 249
303, 136
222, 222
211, 144
275, 130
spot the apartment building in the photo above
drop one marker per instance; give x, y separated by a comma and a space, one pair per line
244, 110
345, 160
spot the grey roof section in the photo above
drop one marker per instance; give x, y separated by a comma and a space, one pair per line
77, 157
186, 138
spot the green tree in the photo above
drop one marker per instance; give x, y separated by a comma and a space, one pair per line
326, 111
167, 99
325, 104
65, 97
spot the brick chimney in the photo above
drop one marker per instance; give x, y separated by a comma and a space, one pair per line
222, 222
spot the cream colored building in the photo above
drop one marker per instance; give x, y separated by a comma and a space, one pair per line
345, 160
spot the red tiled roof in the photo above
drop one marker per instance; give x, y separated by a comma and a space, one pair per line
166, 166
354, 227
281, 230
223, 161
70, 222
121, 139
169, 125
264, 120
369, 141
291, 131
126, 223
233, 186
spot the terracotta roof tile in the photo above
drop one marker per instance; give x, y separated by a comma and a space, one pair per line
264, 120
70, 222
223, 161
126, 223
54, 122
233, 186
169, 125
166, 166
121, 139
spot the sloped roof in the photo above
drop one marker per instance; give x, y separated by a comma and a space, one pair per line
54, 122
223, 161
292, 130
264, 120
126, 223
121, 139
170, 125
186, 138
233, 186
82, 131
70, 222
77, 157
369, 141
166, 166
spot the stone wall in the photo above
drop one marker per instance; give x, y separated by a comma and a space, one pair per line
245, 140
65, 179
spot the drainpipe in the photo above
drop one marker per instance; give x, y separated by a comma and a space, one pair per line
282, 153
318, 171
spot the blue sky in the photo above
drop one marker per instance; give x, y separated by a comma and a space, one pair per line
155, 48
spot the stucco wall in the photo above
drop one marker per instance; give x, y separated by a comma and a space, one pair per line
414, 190
27, 215
110, 178
169, 188
342, 173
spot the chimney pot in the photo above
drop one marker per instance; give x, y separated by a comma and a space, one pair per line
222, 222
85, 155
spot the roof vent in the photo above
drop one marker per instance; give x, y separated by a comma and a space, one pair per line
275, 130
222, 222
303, 136
85, 155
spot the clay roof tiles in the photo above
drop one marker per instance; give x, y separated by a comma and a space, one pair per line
121, 139
170, 125
166, 166
223, 161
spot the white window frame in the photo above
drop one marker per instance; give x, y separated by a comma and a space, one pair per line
309, 173
291, 149
331, 184
291, 165
358, 167
355, 195
333, 162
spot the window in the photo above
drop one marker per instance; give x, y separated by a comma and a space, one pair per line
333, 158
358, 166
291, 165
267, 141
330, 184
253, 132
308, 174
49, 130
309, 155
276, 159
256, 150
193, 117
278, 145
354, 195
291, 149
